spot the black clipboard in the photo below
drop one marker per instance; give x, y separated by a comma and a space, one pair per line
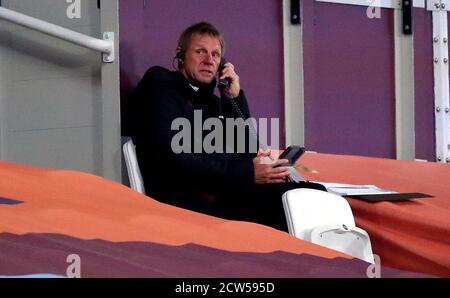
391, 197
6, 201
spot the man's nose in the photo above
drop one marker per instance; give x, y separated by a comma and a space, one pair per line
208, 58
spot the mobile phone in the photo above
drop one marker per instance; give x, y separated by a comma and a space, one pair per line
292, 153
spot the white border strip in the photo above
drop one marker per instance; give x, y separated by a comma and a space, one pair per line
376, 3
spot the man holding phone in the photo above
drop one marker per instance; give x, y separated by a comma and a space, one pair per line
228, 185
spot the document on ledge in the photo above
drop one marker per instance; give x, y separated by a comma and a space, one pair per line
355, 189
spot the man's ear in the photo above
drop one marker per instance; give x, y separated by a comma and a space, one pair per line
180, 54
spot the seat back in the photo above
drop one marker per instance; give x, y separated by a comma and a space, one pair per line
350, 240
134, 173
325, 219
309, 208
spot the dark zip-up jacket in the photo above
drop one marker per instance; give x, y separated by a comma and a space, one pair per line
189, 180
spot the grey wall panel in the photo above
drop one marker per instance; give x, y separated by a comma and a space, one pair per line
38, 56
71, 148
7, 26
4, 79
51, 91
65, 102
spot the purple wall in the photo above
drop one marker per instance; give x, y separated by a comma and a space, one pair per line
253, 32
423, 84
349, 80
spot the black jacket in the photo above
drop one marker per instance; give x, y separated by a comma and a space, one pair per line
188, 180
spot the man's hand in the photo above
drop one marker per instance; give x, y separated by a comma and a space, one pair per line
233, 90
266, 170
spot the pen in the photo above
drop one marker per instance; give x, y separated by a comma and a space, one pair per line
267, 151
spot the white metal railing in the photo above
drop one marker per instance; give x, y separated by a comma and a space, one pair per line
105, 45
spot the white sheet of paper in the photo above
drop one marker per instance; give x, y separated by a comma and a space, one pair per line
354, 189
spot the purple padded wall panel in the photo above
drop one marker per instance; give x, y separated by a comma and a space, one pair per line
253, 32
423, 84
349, 80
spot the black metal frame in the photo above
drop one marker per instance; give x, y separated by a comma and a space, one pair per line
407, 16
295, 12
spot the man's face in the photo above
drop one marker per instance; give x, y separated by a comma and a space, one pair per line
202, 58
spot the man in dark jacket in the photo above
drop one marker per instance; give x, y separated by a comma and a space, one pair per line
241, 186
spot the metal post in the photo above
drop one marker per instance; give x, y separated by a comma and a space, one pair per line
404, 91
441, 79
110, 102
293, 80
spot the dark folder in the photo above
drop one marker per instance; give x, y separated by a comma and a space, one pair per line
391, 197
5, 201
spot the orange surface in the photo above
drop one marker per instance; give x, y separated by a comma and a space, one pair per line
411, 235
89, 207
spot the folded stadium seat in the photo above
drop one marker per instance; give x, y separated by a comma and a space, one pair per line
134, 173
326, 219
